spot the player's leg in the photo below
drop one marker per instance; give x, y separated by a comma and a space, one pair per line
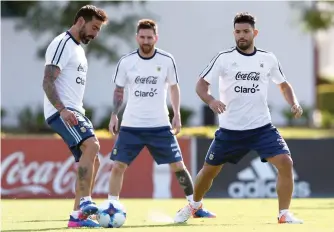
224, 148
182, 175
273, 149
95, 170
165, 149
77, 190
198, 190
127, 147
116, 180
204, 180
75, 138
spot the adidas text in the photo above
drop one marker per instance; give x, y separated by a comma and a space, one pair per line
264, 189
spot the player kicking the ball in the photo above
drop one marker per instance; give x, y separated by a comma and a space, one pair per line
244, 119
64, 87
148, 72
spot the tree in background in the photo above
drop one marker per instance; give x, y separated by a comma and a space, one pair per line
317, 15
48, 19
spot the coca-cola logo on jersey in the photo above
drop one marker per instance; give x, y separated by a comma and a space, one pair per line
146, 80
19, 177
252, 76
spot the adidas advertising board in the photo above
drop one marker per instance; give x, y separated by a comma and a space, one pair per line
250, 178
259, 180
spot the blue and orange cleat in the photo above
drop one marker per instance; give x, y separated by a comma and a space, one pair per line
75, 223
203, 213
87, 209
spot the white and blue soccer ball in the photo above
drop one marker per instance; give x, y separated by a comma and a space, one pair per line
111, 214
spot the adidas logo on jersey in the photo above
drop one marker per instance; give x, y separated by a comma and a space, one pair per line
259, 180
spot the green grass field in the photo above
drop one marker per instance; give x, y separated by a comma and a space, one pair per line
156, 215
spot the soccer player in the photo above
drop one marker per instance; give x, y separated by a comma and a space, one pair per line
244, 118
147, 73
64, 86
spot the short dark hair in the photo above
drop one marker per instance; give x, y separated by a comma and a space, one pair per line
147, 24
90, 11
244, 17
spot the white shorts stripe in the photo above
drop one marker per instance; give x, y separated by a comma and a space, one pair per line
70, 130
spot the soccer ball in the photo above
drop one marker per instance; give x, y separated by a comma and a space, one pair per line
111, 214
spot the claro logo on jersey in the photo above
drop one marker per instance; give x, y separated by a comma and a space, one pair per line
242, 89
152, 93
252, 76
259, 180
80, 80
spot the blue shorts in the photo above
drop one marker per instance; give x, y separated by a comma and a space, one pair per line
160, 142
73, 136
231, 146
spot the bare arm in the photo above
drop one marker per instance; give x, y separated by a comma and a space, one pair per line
175, 99
51, 72
118, 99
288, 93
291, 98
202, 90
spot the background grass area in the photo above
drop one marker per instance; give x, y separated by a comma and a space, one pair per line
157, 215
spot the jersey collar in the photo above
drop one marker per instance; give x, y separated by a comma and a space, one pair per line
246, 54
147, 58
74, 40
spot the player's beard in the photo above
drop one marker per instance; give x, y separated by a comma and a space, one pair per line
146, 49
84, 38
244, 45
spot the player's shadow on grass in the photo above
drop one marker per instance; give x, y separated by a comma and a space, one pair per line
44, 229
176, 225
49, 220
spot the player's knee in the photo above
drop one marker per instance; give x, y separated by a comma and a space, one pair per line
91, 148
210, 171
177, 166
283, 162
94, 147
118, 168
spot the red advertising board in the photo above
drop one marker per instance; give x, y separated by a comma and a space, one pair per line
45, 168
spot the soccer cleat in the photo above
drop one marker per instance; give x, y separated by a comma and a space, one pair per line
203, 213
87, 209
289, 219
75, 223
185, 213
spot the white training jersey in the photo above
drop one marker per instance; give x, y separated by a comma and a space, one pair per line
243, 86
66, 53
147, 81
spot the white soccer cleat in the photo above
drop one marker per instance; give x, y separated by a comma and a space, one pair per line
183, 214
289, 219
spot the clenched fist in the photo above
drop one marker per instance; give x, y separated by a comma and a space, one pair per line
297, 110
